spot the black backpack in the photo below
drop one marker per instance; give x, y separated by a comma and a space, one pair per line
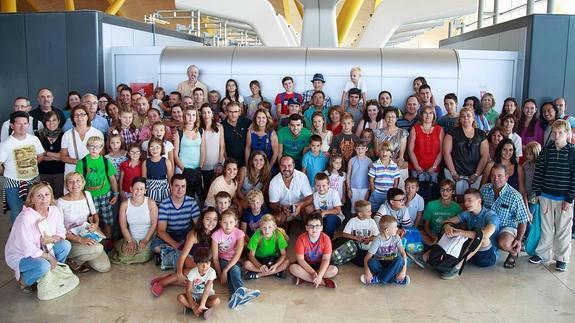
443, 262
85, 165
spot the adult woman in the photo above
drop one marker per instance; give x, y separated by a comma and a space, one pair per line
188, 153
465, 150
505, 154
30, 251
78, 208
255, 175
398, 139
213, 144
74, 100
254, 100
318, 127
335, 113
510, 106
384, 100
103, 99
262, 137
138, 219
226, 182
51, 167
529, 127
74, 140
425, 141
480, 119
232, 92
113, 113
371, 118
487, 104
549, 113
177, 120
509, 125
494, 137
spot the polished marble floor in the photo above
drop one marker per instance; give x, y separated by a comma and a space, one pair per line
529, 293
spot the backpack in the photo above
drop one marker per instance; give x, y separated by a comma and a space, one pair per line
85, 166
448, 252
344, 253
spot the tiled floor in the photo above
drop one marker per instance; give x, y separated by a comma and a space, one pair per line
529, 293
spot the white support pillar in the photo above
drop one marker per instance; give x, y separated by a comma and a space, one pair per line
550, 6
495, 12
530, 7
480, 12
319, 27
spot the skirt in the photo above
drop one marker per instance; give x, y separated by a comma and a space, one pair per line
157, 189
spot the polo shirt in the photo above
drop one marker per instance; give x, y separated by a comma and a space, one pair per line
235, 139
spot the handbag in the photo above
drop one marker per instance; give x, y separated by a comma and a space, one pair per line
57, 282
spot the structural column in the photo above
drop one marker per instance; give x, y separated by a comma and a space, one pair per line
530, 7
8, 5
319, 27
550, 6
495, 12
480, 10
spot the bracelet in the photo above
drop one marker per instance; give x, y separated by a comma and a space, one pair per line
115, 193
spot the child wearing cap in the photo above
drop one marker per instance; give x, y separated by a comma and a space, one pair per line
317, 82
294, 107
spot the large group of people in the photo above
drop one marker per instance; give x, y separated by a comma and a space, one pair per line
209, 185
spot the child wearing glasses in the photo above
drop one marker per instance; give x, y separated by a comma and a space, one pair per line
395, 206
436, 212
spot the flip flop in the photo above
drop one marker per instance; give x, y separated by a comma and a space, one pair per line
510, 261
157, 290
157, 279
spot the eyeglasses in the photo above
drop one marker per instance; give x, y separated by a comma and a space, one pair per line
80, 115
95, 146
445, 190
90, 103
234, 111
314, 226
135, 152
399, 200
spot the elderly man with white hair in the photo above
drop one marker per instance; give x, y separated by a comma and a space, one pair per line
186, 88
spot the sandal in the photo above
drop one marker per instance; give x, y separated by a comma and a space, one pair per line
208, 313
157, 289
510, 261
73, 265
157, 279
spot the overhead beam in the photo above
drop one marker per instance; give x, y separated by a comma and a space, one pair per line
115, 7
299, 7
69, 5
9, 6
287, 11
346, 18
119, 12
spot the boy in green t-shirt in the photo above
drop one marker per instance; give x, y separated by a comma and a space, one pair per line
438, 211
98, 183
267, 251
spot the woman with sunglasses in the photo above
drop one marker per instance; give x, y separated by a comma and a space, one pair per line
37, 240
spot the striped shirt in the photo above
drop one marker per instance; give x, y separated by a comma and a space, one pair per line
383, 176
179, 219
555, 172
508, 206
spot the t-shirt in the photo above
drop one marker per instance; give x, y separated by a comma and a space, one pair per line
129, 174
20, 157
298, 190
336, 182
480, 221
364, 228
97, 181
218, 185
293, 146
253, 220
227, 242
235, 139
383, 176
179, 220
384, 249
199, 282
447, 122
344, 145
415, 205
435, 213
402, 215
313, 251
283, 99
313, 165
361, 84
359, 169
327, 201
267, 247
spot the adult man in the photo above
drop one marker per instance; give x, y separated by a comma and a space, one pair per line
125, 98
199, 97
174, 99
21, 104
507, 203
175, 215
187, 87
90, 101
317, 82
410, 116
561, 104
235, 133
290, 193
141, 112
134, 98
293, 139
318, 103
426, 98
19, 158
355, 105
45, 100
188, 101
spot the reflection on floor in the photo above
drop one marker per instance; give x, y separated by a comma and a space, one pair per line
528, 293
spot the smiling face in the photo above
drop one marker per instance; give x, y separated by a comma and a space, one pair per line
231, 170
529, 109
314, 228
52, 123
295, 127
318, 123
390, 118
384, 99
75, 183
155, 149
286, 167
258, 161
210, 221
20, 126
126, 118
548, 113
73, 100
138, 190
507, 152
372, 112
42, 198
45, 98
268, 228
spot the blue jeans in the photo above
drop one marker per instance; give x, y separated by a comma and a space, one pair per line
234, 276
385, 271
32, 269
377, 199
14, 202
330, 224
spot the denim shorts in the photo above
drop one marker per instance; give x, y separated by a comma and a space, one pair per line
485, 258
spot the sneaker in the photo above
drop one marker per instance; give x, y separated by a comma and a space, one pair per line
535, 259
329, 283
417, 259
405, 281
237, 297
249, 295
373, 280
560, 266
282, 274
249, 275
450, 274
208, 313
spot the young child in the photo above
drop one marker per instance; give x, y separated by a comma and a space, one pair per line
283, 98
267, 251
227, 247
436, 212
357, 178
383, 175
327, 202
313, 254
159, 132
395, 206
532, 151
158, 171
199, 297
413, 201
368, 136
337, 177
362, 229
554, 184
101, 182
390, 263
130, 169
223, 201
127, 128
117, 151
355, 81
294, 107
314, 160
254, 213
344, 143
448, 121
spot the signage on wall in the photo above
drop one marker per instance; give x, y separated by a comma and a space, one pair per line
145, 89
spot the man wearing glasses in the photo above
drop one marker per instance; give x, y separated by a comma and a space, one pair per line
235, 133
21, 104
90, 101
45, 100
